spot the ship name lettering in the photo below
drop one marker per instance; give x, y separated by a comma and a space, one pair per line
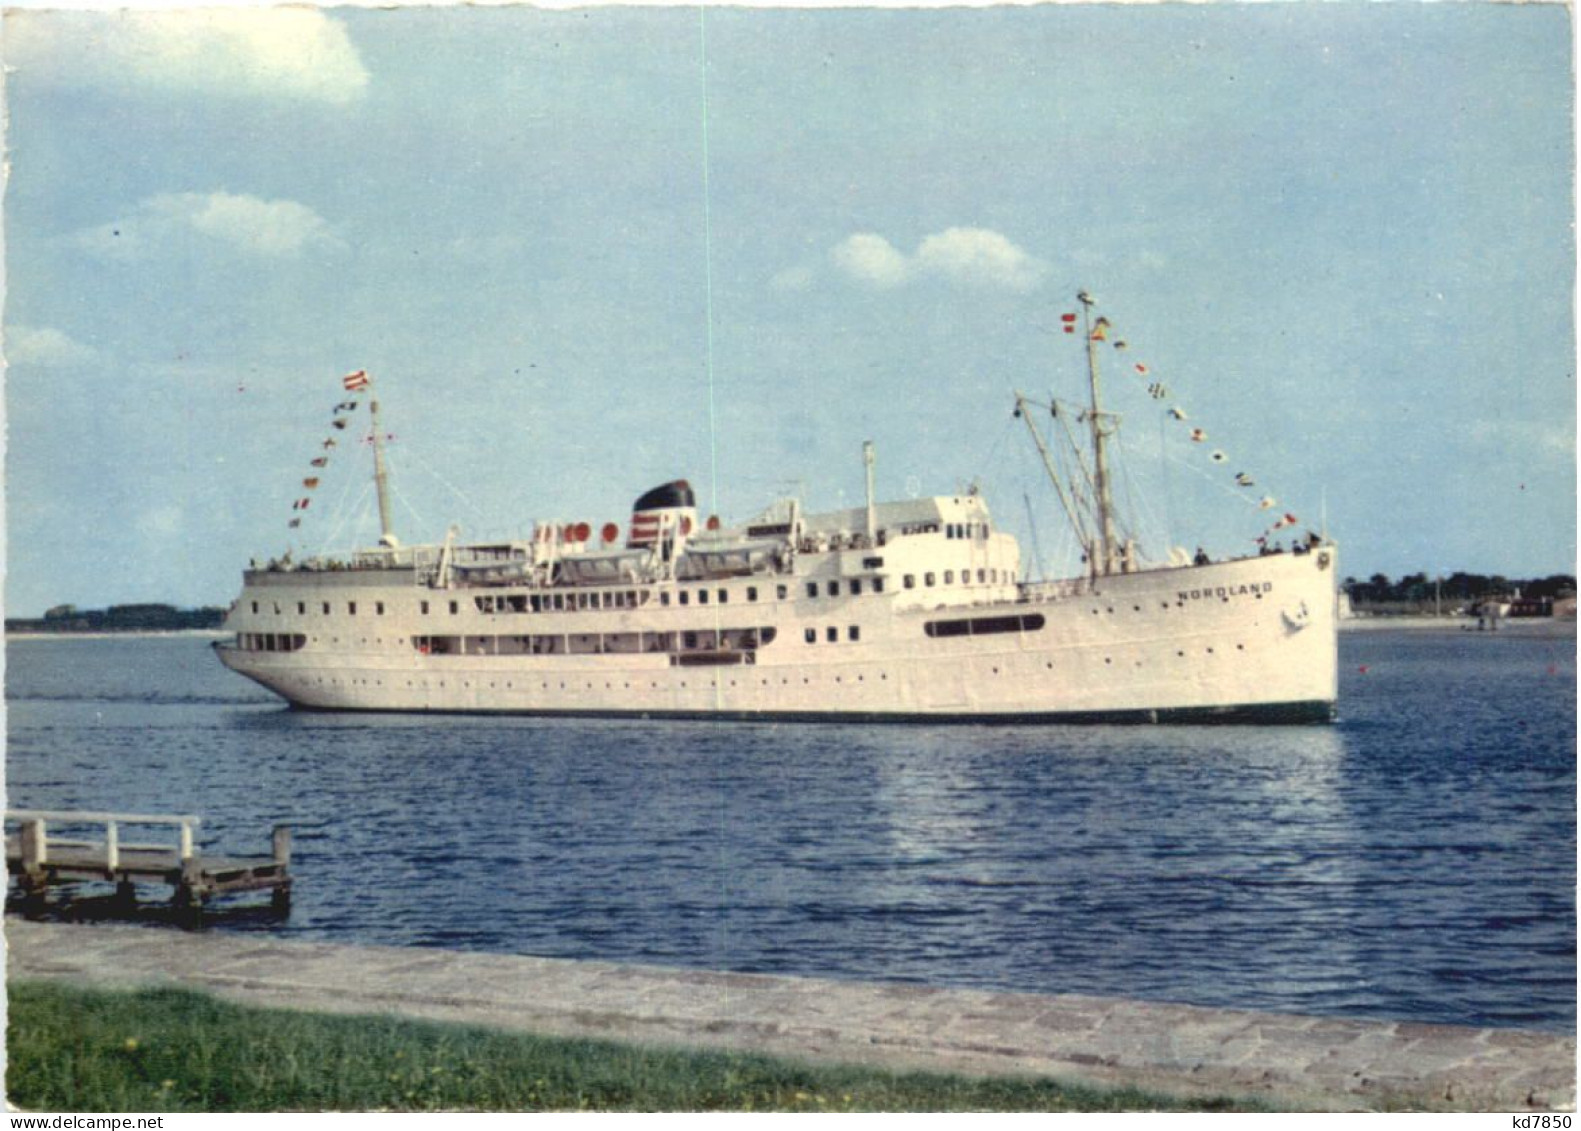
1225, 591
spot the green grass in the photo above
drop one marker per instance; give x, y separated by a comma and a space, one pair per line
77, 1050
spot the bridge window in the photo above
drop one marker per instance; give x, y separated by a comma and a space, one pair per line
812, 589
812, 635
856, 587
834, 588
854, 633
878, 585
832, 634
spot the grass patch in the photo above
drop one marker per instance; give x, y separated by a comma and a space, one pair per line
76, 1050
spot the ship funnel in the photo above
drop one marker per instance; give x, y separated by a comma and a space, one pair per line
663, 518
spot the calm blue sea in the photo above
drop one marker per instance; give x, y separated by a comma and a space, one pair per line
1417, 860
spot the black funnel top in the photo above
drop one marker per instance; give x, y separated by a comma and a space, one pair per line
676, 494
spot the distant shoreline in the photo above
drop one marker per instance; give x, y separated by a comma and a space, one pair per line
1521, 626
111, 634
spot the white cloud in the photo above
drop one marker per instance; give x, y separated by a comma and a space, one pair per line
793, 279
979, 257
274, 229
872, 259
297, 53
972, 257
46, 347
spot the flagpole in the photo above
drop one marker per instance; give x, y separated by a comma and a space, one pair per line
380, 472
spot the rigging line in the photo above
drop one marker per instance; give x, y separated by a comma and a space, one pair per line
337, 516
708, 271
454, 490
1209, 477
411, 510
1032, 530
1169, 487
1080, 464
993, 449
342, 514
708, 329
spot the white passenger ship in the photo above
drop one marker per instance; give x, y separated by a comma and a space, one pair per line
895, 611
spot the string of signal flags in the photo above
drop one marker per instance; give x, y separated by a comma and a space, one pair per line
1103, 331
356, 384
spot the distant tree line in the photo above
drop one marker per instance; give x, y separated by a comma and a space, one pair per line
1454, 589
118, 618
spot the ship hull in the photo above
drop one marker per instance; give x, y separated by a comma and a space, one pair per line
1246, 641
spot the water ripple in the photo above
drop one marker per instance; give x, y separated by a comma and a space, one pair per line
1416, 861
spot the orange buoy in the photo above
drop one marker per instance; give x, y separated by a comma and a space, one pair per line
583, 532
610, 532
713, 522
686, 525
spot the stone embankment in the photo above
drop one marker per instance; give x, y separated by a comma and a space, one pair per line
1299, 1062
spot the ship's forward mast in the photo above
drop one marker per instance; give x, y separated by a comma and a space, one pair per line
1087, 498
1083, 478
381, 474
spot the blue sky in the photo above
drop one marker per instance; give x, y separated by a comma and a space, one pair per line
1340, 234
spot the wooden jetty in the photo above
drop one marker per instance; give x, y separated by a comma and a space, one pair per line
40, 859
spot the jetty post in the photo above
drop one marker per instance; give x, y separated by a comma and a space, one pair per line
280, 849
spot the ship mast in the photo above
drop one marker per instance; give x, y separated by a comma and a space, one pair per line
1107, 540
1072, 511
381, 474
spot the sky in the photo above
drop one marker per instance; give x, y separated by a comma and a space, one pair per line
584, 252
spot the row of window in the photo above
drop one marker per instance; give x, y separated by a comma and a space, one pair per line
633, 598
853, 587
984, 626
270, 641
964, 530
984, 577
732, 640
853, 633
